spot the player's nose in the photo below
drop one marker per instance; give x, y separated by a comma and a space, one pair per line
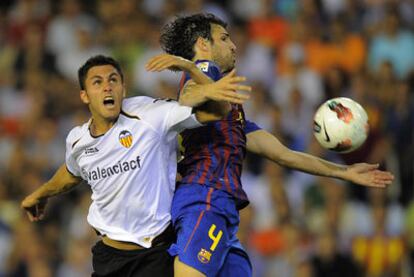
108, 86
233, 46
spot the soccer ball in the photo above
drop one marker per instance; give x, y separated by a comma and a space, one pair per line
341, 125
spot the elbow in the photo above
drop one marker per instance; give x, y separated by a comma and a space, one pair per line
204, 117
288, 159
225, 109
284, 159
212, 111
222, 112
219, 110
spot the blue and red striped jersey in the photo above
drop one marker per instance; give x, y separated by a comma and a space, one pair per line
214, 153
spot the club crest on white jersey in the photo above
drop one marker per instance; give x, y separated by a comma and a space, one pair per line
125, 138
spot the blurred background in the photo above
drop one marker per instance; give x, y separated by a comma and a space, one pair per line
295, 53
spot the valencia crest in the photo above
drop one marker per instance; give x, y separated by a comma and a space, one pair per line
125, 138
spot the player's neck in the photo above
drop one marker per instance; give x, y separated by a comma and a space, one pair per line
205, 57
100, 126
202, 56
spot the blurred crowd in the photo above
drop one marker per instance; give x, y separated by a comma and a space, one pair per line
295, 54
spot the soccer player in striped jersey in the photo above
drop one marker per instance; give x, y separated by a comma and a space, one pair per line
206, 202
126, 152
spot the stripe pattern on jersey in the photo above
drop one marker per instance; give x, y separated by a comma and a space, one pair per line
214, 153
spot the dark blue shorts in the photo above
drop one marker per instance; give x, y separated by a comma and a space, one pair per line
206, 221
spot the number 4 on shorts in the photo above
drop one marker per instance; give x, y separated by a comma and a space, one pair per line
214, 238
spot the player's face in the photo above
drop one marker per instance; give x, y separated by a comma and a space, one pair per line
223, 50
104, 92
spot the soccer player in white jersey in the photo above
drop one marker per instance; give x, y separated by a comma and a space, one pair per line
126, 152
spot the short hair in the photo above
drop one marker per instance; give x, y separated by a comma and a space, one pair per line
97, 61
179, 36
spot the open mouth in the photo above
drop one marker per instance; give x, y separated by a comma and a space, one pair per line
109, 101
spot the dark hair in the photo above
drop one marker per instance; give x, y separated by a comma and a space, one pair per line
179, 36
97, 61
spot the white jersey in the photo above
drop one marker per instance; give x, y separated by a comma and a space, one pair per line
131, 168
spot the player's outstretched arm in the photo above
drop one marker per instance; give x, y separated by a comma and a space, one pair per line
35, 203
174, 63
219, 108
265, 144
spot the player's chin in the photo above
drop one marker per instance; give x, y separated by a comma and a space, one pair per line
228, 69
111, 114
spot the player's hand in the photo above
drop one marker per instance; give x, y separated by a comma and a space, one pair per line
369, 175
34, 207
166, 61
229, 89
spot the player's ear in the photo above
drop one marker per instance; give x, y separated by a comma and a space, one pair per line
84, 97
202, 45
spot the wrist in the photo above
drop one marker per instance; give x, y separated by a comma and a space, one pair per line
37, 195
342, 172
43, 192
206, 92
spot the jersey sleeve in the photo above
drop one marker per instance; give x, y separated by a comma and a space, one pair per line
164, 115
250, 127
71, 164
179, 119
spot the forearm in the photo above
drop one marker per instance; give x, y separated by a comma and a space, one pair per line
313, 165
61, 182
205, 116
266, 145
198, 76
195, 95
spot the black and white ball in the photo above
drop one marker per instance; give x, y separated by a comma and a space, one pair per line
341, 125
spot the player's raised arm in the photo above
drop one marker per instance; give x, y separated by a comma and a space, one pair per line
162, 62
211, 100
268, 146
61, 182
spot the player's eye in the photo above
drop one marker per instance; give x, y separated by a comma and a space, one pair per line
96, 82
113, 80
225, 37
